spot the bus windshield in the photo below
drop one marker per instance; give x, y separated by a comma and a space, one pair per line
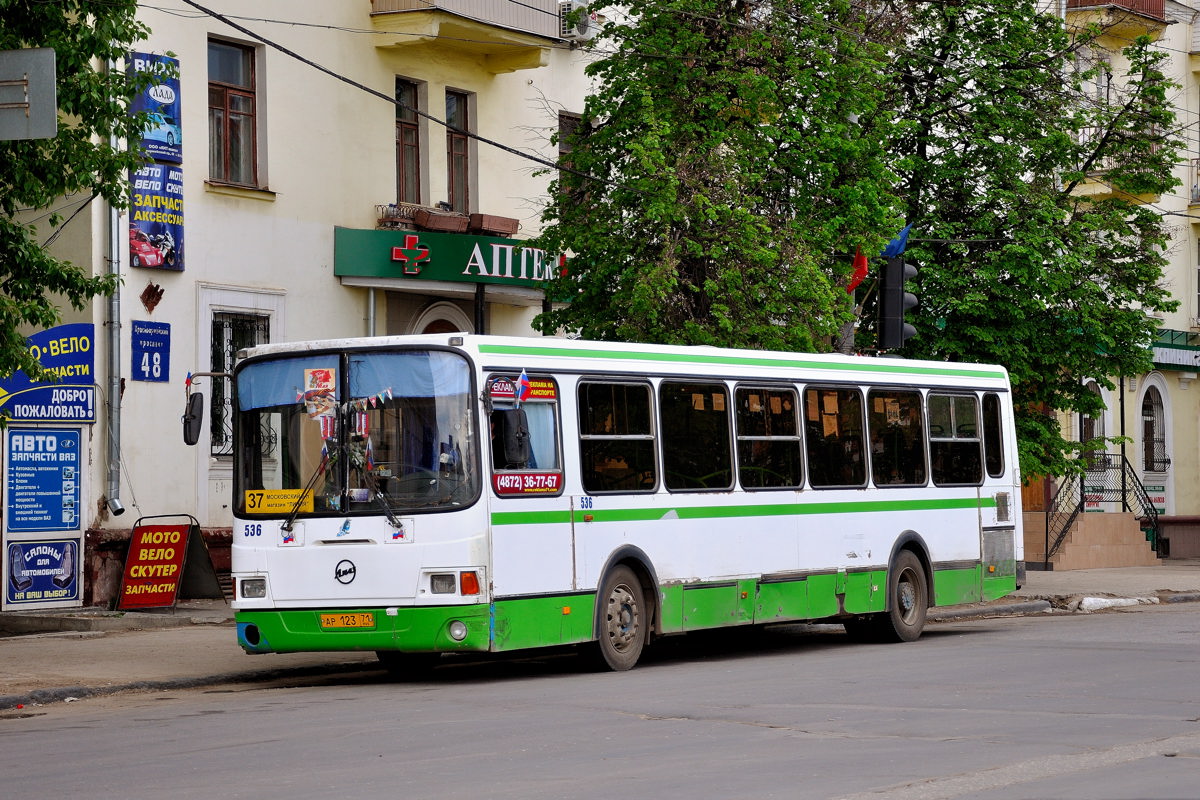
378, 432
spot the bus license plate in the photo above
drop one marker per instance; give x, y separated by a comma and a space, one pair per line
357, 619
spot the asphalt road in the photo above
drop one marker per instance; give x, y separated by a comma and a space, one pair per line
1102, 706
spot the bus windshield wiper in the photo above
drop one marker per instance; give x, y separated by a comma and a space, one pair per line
373, 485
290, 522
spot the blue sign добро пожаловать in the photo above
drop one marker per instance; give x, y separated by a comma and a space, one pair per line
67, 351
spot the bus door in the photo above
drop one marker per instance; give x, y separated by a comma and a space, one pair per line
532, 533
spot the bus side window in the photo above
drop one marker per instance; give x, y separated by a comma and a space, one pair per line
768, 438
954, 446
695, 436
993, 436
897, 438
834, 437
524, 436
510, 439
616, 437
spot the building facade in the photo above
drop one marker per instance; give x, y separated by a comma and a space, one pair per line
1157, 413
320, 170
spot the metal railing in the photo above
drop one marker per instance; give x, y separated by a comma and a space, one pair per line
1149, 8
1108, 479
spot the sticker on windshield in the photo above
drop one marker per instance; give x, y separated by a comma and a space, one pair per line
320, 391
279, 501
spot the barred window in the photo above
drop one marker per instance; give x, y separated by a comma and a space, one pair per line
1154, 433
230, 333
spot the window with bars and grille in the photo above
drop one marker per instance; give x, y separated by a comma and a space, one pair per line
231, 332
1154, 434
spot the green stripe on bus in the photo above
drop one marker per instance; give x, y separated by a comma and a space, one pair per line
868, 365
726, 511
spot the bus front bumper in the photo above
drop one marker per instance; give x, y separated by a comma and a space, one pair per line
424, 629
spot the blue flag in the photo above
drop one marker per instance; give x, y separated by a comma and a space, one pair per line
896, 246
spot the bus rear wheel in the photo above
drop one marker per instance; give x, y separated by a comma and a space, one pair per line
908, 602
908, 596
623, 620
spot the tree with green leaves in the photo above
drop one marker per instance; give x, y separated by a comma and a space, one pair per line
722, 176
41, 180
1037, 243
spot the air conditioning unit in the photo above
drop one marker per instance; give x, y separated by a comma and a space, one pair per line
578, 27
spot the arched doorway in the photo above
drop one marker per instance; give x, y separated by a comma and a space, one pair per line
1154, 432
442, 317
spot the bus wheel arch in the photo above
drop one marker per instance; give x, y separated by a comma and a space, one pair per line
909, 590
908, 600
915, 544
626, 609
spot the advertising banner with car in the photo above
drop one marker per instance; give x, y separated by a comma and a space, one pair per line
163, 138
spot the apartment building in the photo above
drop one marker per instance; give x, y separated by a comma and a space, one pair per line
321, 170
1158, 412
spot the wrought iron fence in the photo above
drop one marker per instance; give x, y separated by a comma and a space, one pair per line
1107, 479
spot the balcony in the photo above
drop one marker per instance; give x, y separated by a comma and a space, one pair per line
508, 36
1122, 18
412, 217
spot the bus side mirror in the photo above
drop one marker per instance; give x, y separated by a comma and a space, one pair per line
193, 418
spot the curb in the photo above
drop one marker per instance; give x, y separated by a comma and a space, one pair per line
1062, 604
996, 610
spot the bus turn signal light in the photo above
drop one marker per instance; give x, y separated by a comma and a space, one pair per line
469, 583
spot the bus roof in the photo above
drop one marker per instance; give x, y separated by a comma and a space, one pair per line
579, 355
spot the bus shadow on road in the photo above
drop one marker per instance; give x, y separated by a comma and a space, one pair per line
700, 647
719, 646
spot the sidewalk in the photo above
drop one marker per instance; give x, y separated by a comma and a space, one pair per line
79, 653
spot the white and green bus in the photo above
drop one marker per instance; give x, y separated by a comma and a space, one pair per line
422, 495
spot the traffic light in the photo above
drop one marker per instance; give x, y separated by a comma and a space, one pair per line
893, 302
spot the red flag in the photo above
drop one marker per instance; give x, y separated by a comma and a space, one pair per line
860, 270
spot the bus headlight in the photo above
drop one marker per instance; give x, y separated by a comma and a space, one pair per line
458, 630
443, 583
252, 588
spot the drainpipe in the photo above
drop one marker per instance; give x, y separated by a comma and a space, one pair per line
371, 311
113, 490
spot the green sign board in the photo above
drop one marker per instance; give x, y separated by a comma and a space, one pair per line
424, 256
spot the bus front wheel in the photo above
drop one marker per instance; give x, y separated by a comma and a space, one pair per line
623, 620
